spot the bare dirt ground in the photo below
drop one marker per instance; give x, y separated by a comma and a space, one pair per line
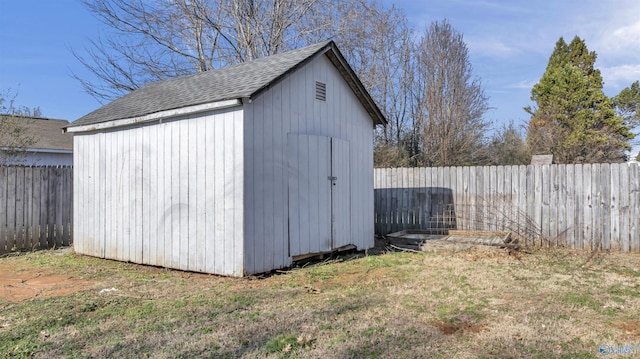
21, 284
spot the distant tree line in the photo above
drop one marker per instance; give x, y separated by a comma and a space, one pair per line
423, 82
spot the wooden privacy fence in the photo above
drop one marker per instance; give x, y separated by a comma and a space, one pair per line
581, 206
36, 207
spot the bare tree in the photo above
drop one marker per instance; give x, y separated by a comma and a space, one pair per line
507, 147
451, 101
151, 40
379, 45
157, 39
426, 91
14, 135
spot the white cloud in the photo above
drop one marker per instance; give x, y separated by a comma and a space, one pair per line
497, 7
525, 84
621, 76
612, 30
628, 35
493, 47
620, 34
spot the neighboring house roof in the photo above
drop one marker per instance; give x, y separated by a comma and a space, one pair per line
242, 81
47, 133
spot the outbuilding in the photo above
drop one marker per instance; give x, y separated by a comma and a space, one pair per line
234, 171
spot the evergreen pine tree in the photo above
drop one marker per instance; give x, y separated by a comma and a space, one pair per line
574, 120
627, 103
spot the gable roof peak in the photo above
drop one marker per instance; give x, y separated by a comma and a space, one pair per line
243, 80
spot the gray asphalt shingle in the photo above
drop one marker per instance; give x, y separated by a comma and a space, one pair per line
46, 132
234, 82
238, 81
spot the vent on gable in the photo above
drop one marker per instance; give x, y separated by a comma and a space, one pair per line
321, 91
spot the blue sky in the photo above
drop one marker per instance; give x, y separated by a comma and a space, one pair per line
509, 43
35, 58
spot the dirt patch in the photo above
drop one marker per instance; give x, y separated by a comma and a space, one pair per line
457, 327
18, 286
631, 329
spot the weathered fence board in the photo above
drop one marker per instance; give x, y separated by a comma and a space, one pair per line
634, 207
35, 207
580, 206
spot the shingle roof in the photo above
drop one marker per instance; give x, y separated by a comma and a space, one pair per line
48, 133
244, 80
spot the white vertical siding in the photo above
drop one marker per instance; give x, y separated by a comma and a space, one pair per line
167, 194
290, 107
153, 182
210, 192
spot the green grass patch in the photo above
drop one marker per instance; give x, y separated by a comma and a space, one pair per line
321, 273
582, 300
287, 345
625, 290
627, 272
451, 304
388, 260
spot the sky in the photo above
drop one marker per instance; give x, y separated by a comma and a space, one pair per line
509, 46
510, 42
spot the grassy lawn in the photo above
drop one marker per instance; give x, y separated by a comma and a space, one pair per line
471, 303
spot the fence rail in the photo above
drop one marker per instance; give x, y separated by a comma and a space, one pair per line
36, 207
580, 206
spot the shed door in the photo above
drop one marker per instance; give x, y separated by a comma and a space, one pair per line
319, 196
340, 193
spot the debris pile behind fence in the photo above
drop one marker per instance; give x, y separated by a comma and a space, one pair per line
580, 206
36, 207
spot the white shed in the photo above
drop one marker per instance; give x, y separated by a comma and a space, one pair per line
233, 171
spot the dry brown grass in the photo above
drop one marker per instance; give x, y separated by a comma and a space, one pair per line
457, 302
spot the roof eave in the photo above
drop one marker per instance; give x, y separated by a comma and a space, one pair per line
156, 116
49, 150
356, 85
